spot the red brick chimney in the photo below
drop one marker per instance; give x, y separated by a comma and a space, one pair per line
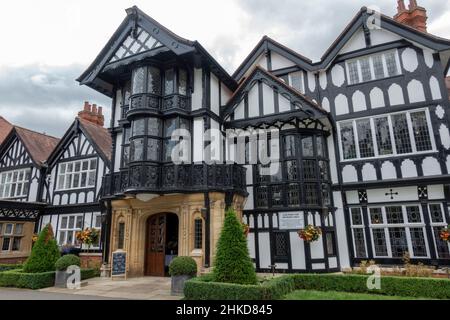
92, 114
414, 16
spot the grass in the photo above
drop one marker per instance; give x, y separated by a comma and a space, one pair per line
334, 295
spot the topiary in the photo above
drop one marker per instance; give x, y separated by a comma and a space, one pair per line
183, 266
44, 254
232, 262
66, 261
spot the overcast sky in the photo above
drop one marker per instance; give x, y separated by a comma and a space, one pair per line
47, 44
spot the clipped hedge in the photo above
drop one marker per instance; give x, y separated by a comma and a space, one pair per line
19, 279
183, 266
6, 267
203, 288
392, 286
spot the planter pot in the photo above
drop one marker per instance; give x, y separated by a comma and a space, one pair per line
177, 287
61, 278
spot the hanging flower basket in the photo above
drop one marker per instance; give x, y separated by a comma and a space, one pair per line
34, 238
88, 236
246, 228
310, 233
445, 234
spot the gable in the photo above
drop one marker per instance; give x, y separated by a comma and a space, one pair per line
15, 155
79, 146
134, 45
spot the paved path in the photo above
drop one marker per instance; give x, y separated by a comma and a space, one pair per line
149, 288
23, 294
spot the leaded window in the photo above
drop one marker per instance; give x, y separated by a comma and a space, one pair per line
289, 146
436, 213
169, 82
376, 215
365, 69
15, 184
442, 247
360, 243
399, 243
311, 196
198, 233
293, 195
379, 241
277, 195
383, 132
281, 245
77, 174
378, 67
182, 82
394, 215
356, 216
297, 81
154, 81
401, 133
413, 214
307, 147
291, 170
348, 140
365, 138
420, 129
309, 170
418, 242
139, 80
353, 71
331, 243
391, 64
262, 200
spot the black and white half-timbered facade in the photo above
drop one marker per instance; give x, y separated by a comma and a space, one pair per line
73, 183
358, 145
23, 156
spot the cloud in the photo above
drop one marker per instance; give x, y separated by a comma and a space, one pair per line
45, 98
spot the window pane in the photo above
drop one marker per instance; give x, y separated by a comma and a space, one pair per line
169, 82
320, 145
323, 167
326, 195
261, 197
356, 216
394, 215
289, 146
365, 69
154, 127
85, 165
6, 243
62, 237
139, 127
125, 156
154, 80
79, 223
71, 222
383, 136
277, 195
98, 221
436, 213
348, 140
297, 81
170, 125
83, 180
365, 138
441, 245
93, 164
9, 229
76, 180
153, 149
418, 242
391, 64
18, 230
360, 245
137, 149
1, 229
121, 236
399, 244
378, 66
307, 147
376, 216
311, 196
198, 234
401, 133
281, 244
139, 80
420, 128
413, 213
330, 244
293, 195
168, 147
379, 241
182, 82
91, 179
64, 223
16, 244
353, 72
309, 170
291, 170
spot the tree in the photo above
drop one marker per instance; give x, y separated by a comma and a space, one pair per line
232, 262
44, 254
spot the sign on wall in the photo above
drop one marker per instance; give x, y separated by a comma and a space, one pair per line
291, 220
119, 264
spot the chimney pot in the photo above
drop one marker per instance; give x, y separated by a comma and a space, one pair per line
401, 6
412, 4
100, 111
94, 109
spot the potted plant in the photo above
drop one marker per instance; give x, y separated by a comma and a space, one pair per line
445, 234
310, 233
61, 266
181, 269
88, 236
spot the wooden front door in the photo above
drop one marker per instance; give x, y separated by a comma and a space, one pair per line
156, 245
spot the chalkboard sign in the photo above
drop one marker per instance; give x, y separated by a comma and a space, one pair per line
119, 264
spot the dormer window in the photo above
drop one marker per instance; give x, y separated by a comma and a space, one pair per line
373, 67
14, 184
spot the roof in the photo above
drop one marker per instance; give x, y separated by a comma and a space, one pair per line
447, 84
171, 41
257, 70
38, 145
100, 137
5, 128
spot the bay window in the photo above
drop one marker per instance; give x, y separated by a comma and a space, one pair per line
151, 79
438, 222
77, 174
373, 67
387, 135
15, 184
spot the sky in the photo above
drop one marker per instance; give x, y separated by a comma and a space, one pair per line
47, 44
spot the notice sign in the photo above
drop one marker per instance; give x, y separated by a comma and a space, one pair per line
119, 264
290, 220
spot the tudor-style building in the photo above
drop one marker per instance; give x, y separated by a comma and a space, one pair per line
73, 183
23, 156
364, 146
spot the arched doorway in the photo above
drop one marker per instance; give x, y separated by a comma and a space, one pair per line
161, 244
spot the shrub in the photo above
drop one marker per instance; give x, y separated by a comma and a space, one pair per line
89, 273
44, 254
183, 266
6, 267
232, 262
66, 261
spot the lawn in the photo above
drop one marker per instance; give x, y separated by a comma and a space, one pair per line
334, 295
